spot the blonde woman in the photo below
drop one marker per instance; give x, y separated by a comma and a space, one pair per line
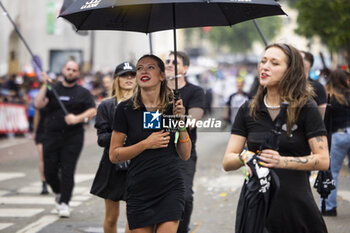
303, 143
155, 185
110, 179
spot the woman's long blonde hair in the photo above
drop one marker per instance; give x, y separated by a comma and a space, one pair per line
293, 87
117, 92
166, 94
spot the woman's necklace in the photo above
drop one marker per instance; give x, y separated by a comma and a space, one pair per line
270, 107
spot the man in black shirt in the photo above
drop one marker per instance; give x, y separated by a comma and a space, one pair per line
64, 133
321, 97
194, 101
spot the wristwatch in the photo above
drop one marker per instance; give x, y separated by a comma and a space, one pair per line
86, 120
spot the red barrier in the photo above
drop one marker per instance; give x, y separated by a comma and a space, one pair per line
13, 118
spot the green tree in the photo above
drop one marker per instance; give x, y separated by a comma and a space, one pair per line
330, 20
240, 37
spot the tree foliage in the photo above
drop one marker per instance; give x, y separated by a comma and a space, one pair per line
240, 37
329, 19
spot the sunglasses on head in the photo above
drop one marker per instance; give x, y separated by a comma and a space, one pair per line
168, 61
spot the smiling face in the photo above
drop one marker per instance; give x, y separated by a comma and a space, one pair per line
148, 73
272, 67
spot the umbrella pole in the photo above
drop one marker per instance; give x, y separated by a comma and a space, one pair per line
150, 44
33, 58
176, 91
260, 32
20, 35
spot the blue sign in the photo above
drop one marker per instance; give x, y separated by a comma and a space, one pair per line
151, 120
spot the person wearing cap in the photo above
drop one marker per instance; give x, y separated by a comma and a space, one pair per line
110, 179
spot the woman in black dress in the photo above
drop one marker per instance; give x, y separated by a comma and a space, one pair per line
110, 181
155, 186
303, 143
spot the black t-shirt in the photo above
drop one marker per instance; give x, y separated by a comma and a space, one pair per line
193, 97
340, 113
76, 99
294, 208
321, 97
308, 125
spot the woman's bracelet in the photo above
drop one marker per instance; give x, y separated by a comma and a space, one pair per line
245, 156
185, 140
182, 129
239, 159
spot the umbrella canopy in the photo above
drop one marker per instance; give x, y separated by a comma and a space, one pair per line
157, 15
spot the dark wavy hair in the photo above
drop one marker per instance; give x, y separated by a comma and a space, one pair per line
293, 87
338, 85
166, 95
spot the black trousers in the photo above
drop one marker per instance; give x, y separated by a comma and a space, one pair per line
188, 172
61, 153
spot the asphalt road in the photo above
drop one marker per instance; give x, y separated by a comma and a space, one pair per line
22, 209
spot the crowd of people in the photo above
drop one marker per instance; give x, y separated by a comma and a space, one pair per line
152, 167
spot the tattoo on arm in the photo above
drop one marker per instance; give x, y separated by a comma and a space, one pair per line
302, 160
319, 139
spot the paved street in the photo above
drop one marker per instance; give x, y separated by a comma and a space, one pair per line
22, 209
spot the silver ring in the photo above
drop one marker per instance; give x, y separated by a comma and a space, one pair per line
164, 138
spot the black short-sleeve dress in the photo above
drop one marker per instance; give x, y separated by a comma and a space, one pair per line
155, 187
294, 209
108, 183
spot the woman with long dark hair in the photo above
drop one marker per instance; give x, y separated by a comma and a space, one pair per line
303, 142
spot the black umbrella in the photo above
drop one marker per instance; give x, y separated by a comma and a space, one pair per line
155, 15
261, 187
